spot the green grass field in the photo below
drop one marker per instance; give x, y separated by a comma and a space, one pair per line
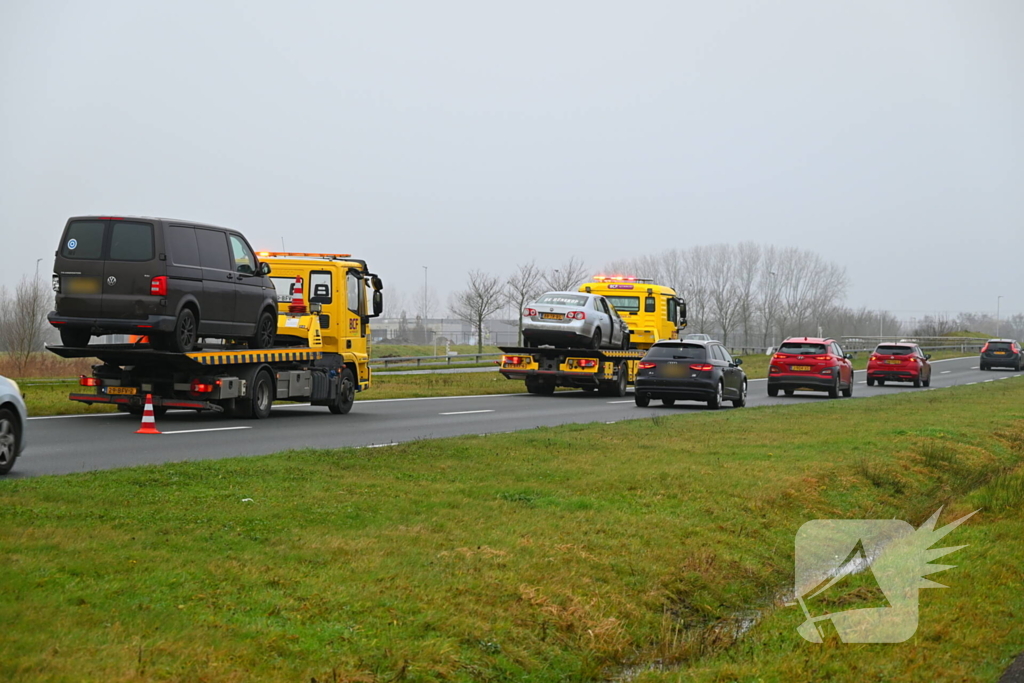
584, 552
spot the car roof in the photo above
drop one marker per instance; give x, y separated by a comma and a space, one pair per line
677, 342
812, 340
1002, 340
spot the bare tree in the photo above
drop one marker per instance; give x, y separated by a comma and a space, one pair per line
394, 303
425, 302
521, 288
567, 277
482, 297
23, 319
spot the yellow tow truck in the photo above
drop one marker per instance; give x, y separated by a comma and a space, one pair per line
320, 354
653, 312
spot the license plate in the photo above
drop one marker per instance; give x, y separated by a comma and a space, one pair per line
1000, 353
893, 362
82, 285
800, 368
123, 391
552, 316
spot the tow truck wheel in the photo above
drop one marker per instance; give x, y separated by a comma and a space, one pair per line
10, 439
266, 328
74, 337
346, 393
542, 387
257, 404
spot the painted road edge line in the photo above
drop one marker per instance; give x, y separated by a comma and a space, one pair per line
213, 429
467, 412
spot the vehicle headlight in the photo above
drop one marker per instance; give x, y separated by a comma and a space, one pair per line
17, 389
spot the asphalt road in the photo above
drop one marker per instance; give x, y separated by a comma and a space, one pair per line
61, 445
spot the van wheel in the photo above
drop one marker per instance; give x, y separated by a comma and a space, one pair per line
346, 394
10, 440
74, 336
257, 404
266, 328
183, 338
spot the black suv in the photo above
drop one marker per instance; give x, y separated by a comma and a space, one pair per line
690, 370
173, 281
1001, 353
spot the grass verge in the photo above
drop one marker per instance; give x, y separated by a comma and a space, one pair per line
570, 553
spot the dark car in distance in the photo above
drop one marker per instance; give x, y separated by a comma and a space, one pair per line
690, 371
1001, 353
171, 280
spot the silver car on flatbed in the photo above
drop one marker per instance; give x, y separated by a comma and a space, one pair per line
574, 320
12, 424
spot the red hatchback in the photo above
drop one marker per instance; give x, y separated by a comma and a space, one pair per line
902, 362
810, 364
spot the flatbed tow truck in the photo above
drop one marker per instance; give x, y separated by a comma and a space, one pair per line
322, 353
653, 312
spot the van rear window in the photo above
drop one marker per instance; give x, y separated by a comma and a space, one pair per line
83, 240
131, 241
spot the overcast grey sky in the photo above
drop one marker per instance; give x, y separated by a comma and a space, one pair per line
889, 136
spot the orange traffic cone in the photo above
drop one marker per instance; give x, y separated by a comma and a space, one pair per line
148, 420
298, 304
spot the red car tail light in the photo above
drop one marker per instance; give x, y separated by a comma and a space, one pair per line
984, 348
158, 286
702, 367
823, 358
530, 312
646, 365
576, 315
89, 381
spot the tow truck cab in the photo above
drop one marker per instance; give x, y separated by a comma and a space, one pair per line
653, 312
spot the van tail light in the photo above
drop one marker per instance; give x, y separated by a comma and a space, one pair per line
647, 365
89, 381
984, 348
576, 315
530, 312
702, 367
158, 286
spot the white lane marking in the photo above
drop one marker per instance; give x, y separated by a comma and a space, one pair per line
379, 445
1004, 378
865, 382
214, 429
467, 412
974, 367
630, 401
62, 417
989, 380
945, 372
971, 383
440, 398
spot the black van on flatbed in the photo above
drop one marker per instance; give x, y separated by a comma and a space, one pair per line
171, 280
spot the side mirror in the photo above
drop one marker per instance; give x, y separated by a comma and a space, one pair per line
737, 362
376, 283
927, 356
848, 356
378, 303
264, 269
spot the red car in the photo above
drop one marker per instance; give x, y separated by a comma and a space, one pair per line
811, 364
903, 362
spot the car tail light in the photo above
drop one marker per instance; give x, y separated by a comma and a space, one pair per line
823, 358
702, 367
200, 387
55, 284
646, 365
530, 312
984, 348
586, 363
89, 381
158, 286
576, 315
873, 357
513, 360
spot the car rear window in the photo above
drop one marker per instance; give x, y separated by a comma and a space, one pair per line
1000, 346
802, 348
892, 350
131, 241
681, 351
562, 300
83, 240
627, 304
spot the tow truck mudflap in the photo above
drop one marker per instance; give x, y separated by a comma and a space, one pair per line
138, 401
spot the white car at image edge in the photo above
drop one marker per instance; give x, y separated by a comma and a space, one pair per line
13, 417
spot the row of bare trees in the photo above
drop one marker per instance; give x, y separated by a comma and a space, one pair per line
23, 326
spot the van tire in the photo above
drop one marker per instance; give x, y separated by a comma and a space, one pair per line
184, 337
74, 336
266, 328
342, 403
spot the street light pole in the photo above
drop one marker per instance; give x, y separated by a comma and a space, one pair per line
998, 299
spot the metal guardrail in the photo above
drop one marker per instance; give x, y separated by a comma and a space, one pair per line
421, 361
